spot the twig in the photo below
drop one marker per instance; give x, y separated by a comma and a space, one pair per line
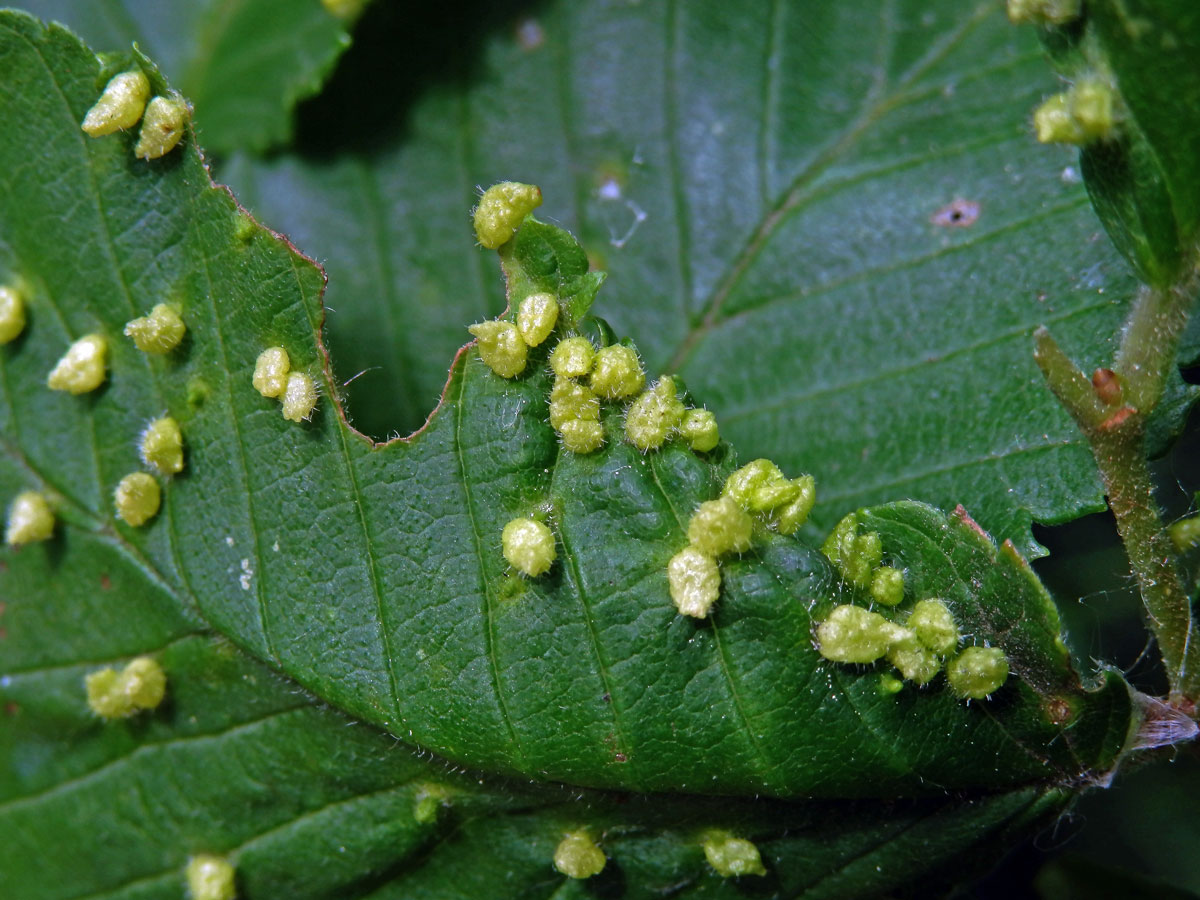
1112, 410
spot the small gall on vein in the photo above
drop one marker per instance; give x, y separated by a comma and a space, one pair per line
528, 545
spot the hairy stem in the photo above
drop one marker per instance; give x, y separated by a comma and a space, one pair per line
1126, 477
1112, 410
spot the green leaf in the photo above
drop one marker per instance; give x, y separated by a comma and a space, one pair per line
780, 235
308, 805
1144, 179
243, 65
372, 574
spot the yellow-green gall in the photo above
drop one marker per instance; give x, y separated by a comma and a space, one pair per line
732, 856
720, 526
789, 517
695, 582
210, 878
12, 314
528, 546
162, 128
344, 9
572, 357
1052, 121
855, 555
852, 634
120, 106
1185, 534
82, 367
161, 446
1043, 12
889, 684
428, 800
30, 519
271, 371
142, 684
137, 498
760, 486
299, 397
653, 416
617, 372
502, 209
934, 626
578, 856
1092, 103
916, 662
536, 317
887, 586
582, 436
1084, 114
145, 682
977, 672
570, 400
159, 332
699, 429
501, 347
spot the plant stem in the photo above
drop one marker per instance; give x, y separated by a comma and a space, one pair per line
1150, 341
1112, 410
1122, 462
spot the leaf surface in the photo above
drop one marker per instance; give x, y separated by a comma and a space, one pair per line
372, 574
773, 192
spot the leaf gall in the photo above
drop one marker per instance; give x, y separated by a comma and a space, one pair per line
501, 347
299, 397
502, 209
699, 429
210, 878
162, 128
120, 106
528, 546
617, 372
536, 317
720, 526
271, 371
732, 856
578, 856
137, 498
159, 332
572, 357
977, 672
29, 520
852, 634
82, 368
161, 446
12, 314
695, 582
141, 685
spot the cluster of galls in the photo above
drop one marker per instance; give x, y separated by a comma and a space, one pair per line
756, 495
273, 378
122, 106
920, 645
1090, 110
84, 366
82, 369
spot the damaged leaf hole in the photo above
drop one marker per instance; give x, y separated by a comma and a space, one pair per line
957, 213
